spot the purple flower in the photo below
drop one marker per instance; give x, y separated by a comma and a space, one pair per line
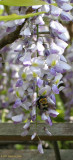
47, 132
37, 61
55, 89
5, 104
19, 83
26, 126
53, 113
33, 136
23, 99
48, 120
66, 16
57, 27
40, 148
10, 90
66, 7
24, 133
17, 103
39, 82
17, 118
53, 98
11, 29
53, 71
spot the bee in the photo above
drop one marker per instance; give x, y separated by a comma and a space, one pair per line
42, 103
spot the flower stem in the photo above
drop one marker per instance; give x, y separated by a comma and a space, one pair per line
37, 86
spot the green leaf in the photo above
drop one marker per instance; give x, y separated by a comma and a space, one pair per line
54, 4
22, 2
15, 16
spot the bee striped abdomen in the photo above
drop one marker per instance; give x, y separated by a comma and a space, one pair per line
43, 101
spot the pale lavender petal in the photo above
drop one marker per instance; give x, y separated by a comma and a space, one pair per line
53, 113
36, 7
53, 98
53, 71
66, 16
66, 7
40, 148
49, 121
26, 59
33, 118
40, 46
18, 49
61, 43
27, 32
18, 118
39, 82
55, 11
23, 99
60, 2
44, 117
24, 133
55, 89
33, 113
11, 29
5, 104
17, 103
10, 90
26, 126
39, 20
47, 132
57, 27
33, 136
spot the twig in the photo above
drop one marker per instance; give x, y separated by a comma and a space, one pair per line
10, 38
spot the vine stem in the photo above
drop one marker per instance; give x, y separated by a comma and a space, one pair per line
37, 86
37, 27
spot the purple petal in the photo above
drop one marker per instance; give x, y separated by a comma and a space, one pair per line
18, 118
11, 29
24, 133
53, 98
55, 89
53, 113
17, 103
47, 132
26, 126
10, 90
33, 136
66, 16
5, 104
33, 118
19, 83
53, 71
49, 121
23, 99
40, 148
39, 82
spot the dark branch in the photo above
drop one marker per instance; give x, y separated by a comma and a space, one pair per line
10, 38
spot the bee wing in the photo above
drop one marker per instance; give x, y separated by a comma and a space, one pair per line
50, 101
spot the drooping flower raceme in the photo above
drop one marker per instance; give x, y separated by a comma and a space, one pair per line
40, 65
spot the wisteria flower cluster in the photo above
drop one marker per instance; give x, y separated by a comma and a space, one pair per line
40, 63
